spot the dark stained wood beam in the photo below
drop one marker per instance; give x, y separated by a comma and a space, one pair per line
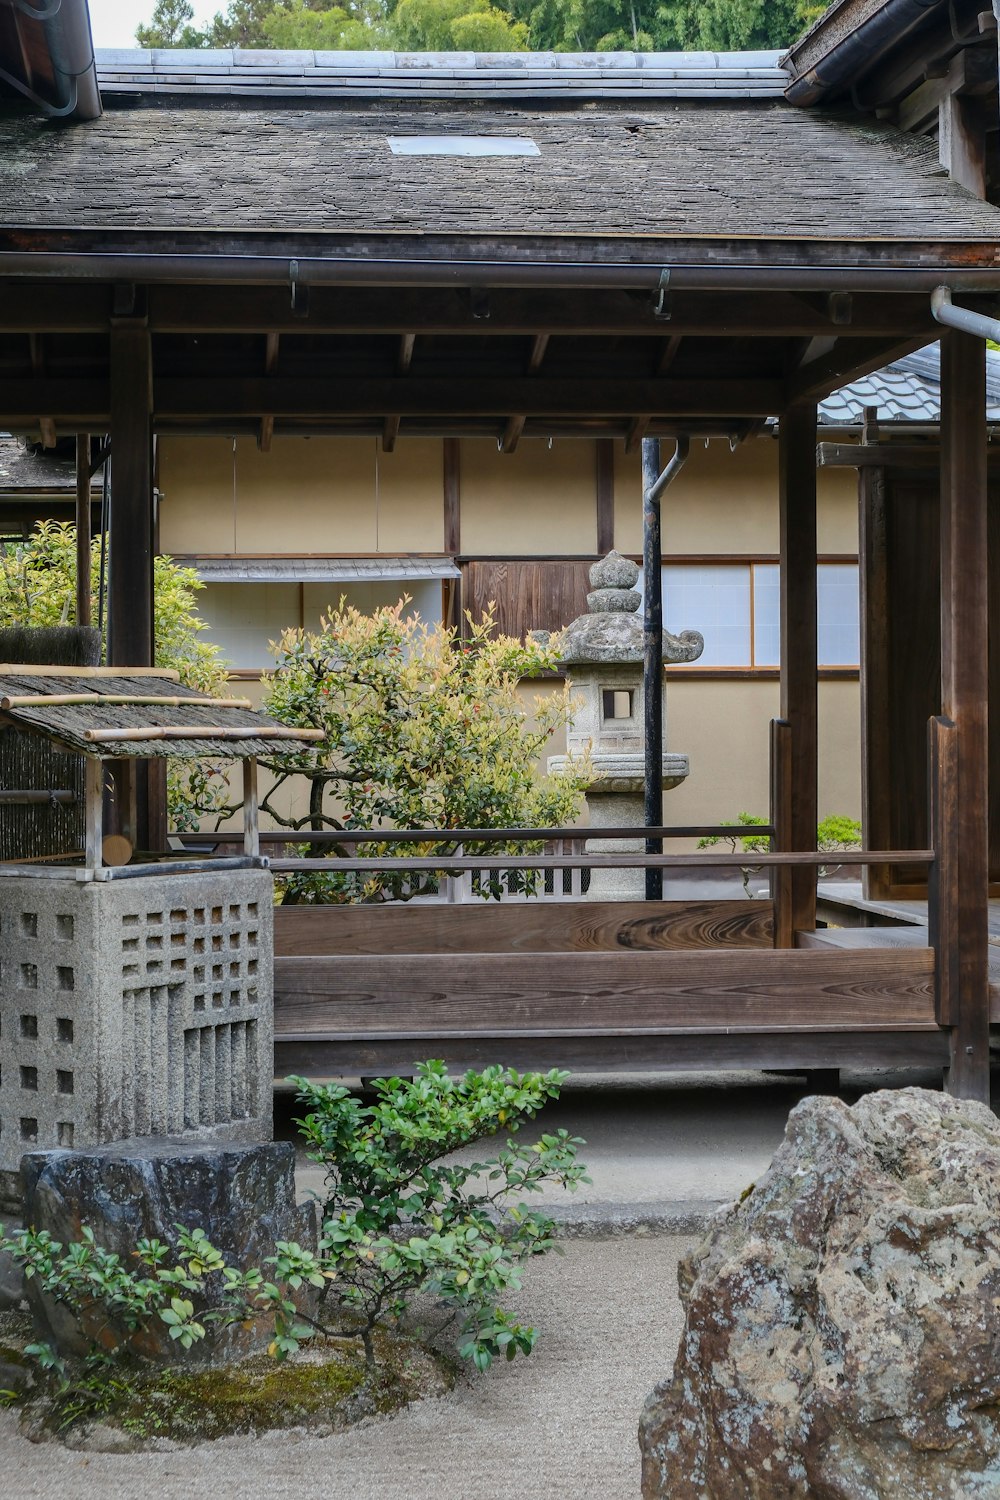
59, 307
46, 425
960, 800
83, 517
266, 430
668, 353
848, 360
515, 424
605, 486
130, 569
799, 702
876, 759
962, 128
404, 358
85, 403
637, 430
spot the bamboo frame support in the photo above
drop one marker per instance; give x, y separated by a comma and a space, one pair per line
200, 732
93, 812
251, 807
147, 700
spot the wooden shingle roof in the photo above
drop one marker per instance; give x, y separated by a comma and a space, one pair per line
736, 170
37, 700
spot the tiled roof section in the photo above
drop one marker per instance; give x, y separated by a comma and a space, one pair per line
909, 390
444, 75
763, 171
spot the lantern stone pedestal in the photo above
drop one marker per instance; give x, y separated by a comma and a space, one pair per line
602, 652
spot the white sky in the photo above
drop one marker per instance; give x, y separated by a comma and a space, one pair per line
114, 21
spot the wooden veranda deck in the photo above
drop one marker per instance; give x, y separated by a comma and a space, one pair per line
589, 985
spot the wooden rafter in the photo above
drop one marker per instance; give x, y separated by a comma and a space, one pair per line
266, 430
515, 424
404, 359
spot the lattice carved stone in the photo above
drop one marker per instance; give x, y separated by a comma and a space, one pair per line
133, 1008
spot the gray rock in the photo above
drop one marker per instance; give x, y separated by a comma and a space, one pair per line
842, 1332
243, 1197
614, 572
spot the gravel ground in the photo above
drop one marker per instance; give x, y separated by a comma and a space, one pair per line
558, 1426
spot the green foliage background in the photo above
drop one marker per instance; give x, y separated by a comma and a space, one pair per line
479, 26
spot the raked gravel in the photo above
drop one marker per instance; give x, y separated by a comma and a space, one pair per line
560, 1425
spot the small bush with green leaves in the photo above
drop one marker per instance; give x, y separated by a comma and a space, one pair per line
400, 1219
398, 1222
835, 833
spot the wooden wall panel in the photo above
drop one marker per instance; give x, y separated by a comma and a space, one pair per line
529, 595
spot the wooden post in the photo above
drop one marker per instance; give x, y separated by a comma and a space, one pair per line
876, 765
605, 485
251, 832
652, 669
452, 491
83, 585
93, 808
781, 807
132, 539
961, 806
797, 506
130, 572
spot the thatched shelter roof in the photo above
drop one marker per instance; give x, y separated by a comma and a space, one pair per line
104, 712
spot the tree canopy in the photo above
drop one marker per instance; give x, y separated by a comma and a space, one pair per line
478, 25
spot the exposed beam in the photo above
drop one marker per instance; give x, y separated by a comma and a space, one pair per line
637, 430
962, 127
605, 494
668, 353
266, 431
47, 426
515, 424
404, 358
130, 575
85, 403
848, 360
58, 307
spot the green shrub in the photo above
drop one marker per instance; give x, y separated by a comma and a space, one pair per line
399, 1220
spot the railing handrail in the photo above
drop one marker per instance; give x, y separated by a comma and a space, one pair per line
448, 864
484, 835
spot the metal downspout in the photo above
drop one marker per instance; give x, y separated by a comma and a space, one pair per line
65, 26
653, 485
946, 312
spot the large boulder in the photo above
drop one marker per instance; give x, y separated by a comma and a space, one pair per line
842, 1330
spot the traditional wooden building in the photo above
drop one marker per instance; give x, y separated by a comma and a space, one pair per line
588, 248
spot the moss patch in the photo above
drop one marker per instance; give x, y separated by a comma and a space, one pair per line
325, 1388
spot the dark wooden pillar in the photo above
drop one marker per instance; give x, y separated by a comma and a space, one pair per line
960, 888
797, 505
83, 582
132, 544
605, 485
452, 493
876, 768
130, 564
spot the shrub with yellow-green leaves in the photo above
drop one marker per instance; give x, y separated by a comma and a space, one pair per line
422, 730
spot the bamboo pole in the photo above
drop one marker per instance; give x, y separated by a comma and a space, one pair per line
29, 669
70, 700
201, 732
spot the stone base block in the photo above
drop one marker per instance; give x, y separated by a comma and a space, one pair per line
136, 1007
243, 1197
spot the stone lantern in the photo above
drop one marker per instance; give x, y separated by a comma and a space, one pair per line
602, 652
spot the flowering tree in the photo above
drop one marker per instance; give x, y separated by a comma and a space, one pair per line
421, 731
